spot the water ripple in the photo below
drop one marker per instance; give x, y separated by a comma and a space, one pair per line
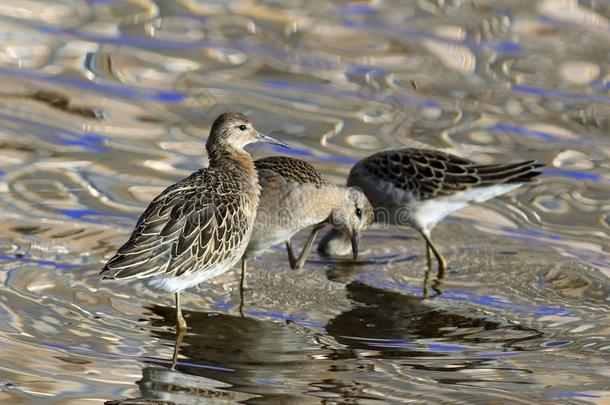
106, 103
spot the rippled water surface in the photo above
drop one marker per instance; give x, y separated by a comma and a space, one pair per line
105, 103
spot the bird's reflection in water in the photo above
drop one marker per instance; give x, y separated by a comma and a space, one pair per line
227, 358
164, 386
233, 358
395, 325
426, 350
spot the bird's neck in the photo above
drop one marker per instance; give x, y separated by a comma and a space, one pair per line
326, 200
233, 160
337, 195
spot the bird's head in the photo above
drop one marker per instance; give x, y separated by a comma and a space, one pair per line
236, 130
353, 216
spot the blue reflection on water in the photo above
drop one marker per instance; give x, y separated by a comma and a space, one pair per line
495, 302
539, 135
557, 343
78, 214
121, 91
571, 394
504, 47
222, 305
139, 42
365, 70
554, 93
87, 141
534, 233
573, 174
439, 347
356, 9
52, 263
98, 354
86, 214
515, 129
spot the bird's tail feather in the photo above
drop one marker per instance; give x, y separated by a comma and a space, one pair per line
522, 172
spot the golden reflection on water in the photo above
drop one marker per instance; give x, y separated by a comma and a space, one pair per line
103, 104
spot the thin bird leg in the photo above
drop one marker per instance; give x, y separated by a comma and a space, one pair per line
426, 279
180, 322
428, 270
242, 279
298, 263
437, 286
429, 255
242, 287
179, 336
438, 282
291, 258
442, 263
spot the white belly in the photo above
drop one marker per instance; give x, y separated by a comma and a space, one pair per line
170, 283
398, 207
429, 212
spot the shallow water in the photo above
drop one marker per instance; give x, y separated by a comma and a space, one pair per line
103, 104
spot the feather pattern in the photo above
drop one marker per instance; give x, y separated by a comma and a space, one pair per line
292, 170
427, 174
419, 187
192, 226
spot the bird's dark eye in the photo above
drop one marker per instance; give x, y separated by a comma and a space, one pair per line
358, 212
242, 127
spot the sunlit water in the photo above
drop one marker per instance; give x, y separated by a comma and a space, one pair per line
105, 103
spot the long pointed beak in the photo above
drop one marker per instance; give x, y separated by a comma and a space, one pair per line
260, 137
355, 238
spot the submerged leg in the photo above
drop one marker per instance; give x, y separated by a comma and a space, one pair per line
442, 263
426, 280
180, 322
180, 331
428, 270
298, 263
429, 255
437, 286
179, 336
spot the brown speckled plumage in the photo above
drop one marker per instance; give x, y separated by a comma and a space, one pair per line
428, 174
291, 169
191, 226
199, 227
296, 196
418, 188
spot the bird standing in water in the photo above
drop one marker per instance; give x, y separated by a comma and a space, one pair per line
198, 228
295, 196
419, 187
